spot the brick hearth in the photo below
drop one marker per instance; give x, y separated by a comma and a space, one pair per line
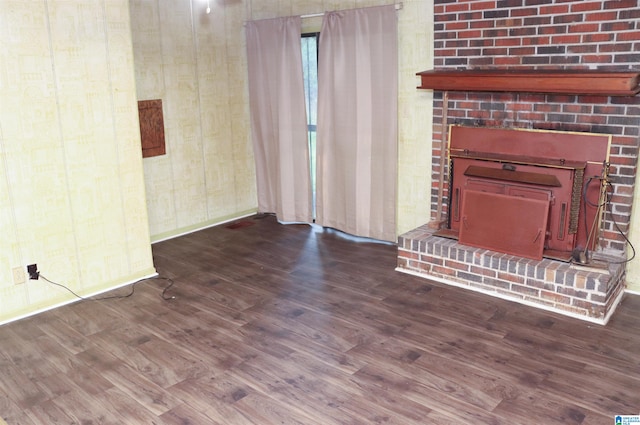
588, 293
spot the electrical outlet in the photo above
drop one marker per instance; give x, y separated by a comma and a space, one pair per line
18, 275
32, 269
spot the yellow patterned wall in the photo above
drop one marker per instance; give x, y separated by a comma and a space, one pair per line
633, 268
72, 194
415, 114
196, 63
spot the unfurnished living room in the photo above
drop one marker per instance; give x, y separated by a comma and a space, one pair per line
319, 212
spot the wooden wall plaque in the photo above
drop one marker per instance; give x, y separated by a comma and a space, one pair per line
151, 127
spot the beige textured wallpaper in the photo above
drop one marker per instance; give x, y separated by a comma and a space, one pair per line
196, 63
633, 268
415, 114
72, 195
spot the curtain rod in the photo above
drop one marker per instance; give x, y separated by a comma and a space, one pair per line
315, 15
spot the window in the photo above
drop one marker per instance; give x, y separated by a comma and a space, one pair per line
310, 71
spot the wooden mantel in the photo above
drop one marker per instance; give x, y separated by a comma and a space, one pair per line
575, 82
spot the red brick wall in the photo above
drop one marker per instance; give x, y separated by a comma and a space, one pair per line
545, 34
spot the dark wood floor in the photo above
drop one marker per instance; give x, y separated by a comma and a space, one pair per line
277, 324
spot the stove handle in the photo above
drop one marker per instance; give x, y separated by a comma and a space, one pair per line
537, 236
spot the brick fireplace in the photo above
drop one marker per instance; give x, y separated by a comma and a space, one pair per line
534, 35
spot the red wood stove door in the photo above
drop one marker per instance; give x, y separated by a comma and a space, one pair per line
509, 224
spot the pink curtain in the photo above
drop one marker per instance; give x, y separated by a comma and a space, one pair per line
358, 122
278, 118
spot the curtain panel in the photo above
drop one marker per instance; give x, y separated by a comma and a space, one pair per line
278, 118
358, 122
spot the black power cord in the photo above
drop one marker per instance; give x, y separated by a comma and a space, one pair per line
115, 297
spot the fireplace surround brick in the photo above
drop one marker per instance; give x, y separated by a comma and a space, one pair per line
544, 34
535, 34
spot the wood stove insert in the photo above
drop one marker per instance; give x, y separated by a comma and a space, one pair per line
522, 192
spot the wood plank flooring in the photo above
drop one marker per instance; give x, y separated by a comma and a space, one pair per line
293, 324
